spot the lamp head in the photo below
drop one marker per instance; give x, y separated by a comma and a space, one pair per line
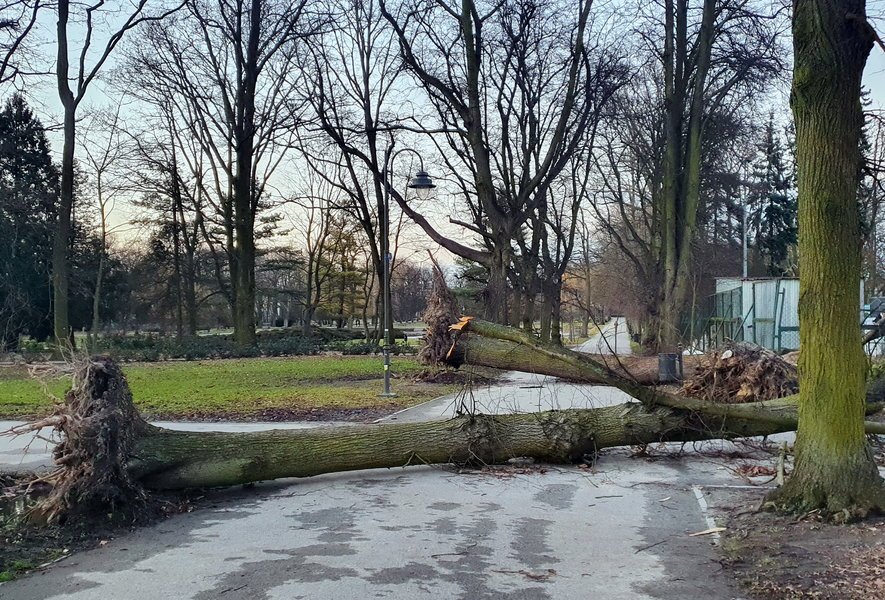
422, 184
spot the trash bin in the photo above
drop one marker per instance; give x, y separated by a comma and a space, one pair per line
669, 367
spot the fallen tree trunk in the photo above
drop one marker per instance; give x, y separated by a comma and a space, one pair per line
110, 454
509, 355
174, 459
496, 344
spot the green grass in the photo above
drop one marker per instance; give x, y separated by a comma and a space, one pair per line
16, 568
239, 387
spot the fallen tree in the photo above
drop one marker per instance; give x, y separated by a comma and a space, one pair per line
109, 454
503, 354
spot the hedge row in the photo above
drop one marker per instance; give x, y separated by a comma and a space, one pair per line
288, 342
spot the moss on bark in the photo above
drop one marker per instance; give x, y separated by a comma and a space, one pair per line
834, 470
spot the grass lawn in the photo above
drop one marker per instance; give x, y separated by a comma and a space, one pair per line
251, 388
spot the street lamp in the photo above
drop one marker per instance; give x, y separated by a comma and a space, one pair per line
422, 184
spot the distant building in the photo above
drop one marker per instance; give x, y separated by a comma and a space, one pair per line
761, 310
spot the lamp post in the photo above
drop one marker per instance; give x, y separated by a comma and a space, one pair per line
422, 183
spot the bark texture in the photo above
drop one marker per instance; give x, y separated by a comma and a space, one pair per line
835, 471
500, 354
62, 239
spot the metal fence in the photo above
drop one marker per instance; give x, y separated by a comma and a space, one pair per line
762, 312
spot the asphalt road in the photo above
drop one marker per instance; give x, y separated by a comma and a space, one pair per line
618, 531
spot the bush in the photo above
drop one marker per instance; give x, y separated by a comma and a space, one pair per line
151, 348
361, 348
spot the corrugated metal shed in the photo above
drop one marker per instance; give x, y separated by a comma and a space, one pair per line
768, 309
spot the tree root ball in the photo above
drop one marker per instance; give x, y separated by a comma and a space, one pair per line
99, 424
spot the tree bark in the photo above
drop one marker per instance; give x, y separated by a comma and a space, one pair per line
835, 470
245, 201
500, 354
164, 459
62, 239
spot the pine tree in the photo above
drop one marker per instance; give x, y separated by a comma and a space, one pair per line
28, 191
774, 205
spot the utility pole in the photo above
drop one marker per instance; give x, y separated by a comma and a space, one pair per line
744, 197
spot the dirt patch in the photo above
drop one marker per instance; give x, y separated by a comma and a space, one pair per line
25, 547
784, 558
482, 376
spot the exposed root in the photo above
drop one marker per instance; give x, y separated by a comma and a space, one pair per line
742, 373
98, 424
442, 311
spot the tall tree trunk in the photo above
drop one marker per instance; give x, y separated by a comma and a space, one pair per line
680, 193
834, 469
556, 314
245, 194
190, 292
528, 310
588, 295
96, 296
308, 310
495, 295
546, 316
176, 260
62, 238
96, 300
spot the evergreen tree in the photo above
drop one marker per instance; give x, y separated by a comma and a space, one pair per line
28, 191
774, 206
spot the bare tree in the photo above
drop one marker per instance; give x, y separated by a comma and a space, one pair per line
355, 69
517, 87
693, 98
315, 228
731, 50
226, 69
102, 144
17, 20
72, 88
166, 166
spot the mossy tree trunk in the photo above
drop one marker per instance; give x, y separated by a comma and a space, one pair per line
834, 469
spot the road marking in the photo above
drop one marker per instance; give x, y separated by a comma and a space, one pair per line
702, 502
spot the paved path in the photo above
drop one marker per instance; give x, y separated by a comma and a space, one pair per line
528, 392
618, 532
613, 338
516, 393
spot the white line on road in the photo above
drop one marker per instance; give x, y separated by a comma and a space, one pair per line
702, 502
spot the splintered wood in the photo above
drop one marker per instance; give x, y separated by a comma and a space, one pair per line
742, 373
